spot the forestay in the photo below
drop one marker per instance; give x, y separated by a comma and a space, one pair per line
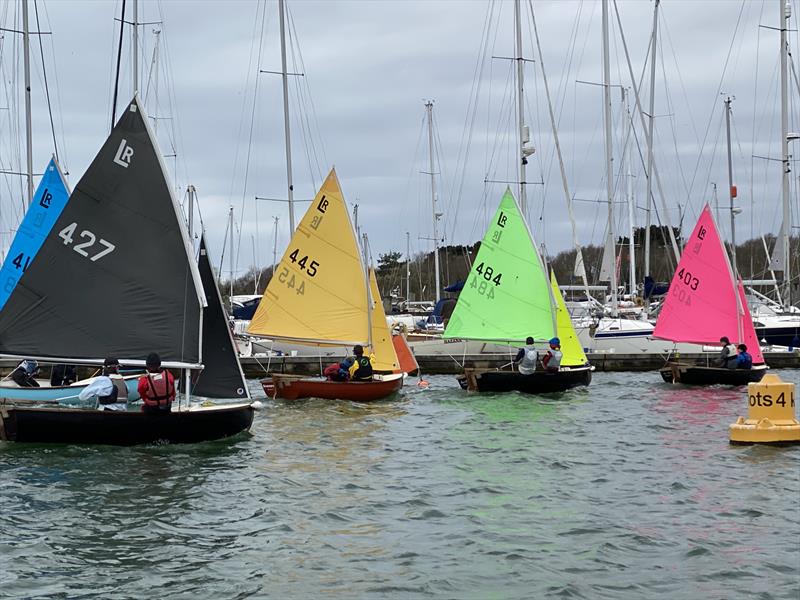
703, 303
319, 293
222, 375
507, 296
571, 349
115, 275
48, 202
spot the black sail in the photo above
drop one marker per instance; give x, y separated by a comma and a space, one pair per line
222, 376
115, 275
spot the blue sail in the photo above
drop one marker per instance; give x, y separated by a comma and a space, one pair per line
49, 200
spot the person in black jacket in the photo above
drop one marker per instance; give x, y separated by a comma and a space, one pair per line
362, 367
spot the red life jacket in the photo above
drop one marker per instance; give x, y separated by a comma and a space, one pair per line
160, 389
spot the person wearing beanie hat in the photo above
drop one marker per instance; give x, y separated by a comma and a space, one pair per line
156, 387
552, 358
526, 358
109, 388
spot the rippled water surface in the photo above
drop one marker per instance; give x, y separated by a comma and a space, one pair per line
629, 489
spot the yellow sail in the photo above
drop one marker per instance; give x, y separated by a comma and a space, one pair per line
385, 358
318, 294
573, 355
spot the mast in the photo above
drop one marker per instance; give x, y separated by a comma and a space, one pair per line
190, 192
631, 199
650, 119
731, 189
786, 10
287, 136
135, 39
523, 131
275, 246
230, 260
26, 46
436, 215
609, 156
157, 33
370, 299
408, 267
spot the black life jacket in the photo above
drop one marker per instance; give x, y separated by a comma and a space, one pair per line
364, 370
111, 398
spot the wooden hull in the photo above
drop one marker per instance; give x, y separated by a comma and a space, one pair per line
485, 380
690, 374
293, 387
122, 428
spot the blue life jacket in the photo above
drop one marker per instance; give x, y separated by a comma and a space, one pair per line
744, 361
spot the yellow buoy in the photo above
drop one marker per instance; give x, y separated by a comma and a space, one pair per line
770, 414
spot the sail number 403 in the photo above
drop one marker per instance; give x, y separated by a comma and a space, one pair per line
90, 239
488, 280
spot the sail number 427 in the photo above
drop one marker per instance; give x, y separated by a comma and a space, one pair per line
90, 239
489, 277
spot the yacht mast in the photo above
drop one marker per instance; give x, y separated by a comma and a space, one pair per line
786, 9
436, 214
408, 268
287, 136
523, 130
26, 46
731, 188
230, 259
609, 156
275, 246
135, 38
650, 119
631, 199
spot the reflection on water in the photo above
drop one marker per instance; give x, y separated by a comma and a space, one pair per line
627, 489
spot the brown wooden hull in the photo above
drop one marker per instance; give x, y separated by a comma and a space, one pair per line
293, 387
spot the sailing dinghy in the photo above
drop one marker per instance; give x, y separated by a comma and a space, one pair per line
321, 296
704, 303
508, 298
116, 276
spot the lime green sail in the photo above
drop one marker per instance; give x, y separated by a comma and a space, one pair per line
571, 349
507, 296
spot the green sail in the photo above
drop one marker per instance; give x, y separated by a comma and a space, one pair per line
507, 296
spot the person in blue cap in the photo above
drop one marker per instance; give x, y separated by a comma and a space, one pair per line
551, 361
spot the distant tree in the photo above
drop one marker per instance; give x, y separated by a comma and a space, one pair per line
388, 262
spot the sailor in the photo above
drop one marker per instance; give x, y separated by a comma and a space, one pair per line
526, 358
25, 374
156, 387
727, 356
110, 394
63, 375
338, 371
743, 359
361, 369
551, 361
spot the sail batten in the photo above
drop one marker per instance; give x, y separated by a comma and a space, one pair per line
507, 296
704, 303
113, 276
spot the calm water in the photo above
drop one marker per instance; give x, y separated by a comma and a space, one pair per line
627, 490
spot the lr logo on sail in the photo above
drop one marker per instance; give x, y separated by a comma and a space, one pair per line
124, 154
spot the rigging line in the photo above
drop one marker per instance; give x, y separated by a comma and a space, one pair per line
462, 157
46, 87
306, 93
671, 106
253, 110
717, 93
64, 162
119, 60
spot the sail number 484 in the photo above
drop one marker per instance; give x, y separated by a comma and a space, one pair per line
90, 239
488, 276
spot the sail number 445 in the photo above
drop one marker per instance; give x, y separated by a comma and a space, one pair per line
488, 277
90, 239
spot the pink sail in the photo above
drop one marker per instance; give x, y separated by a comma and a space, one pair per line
703, 304
750, 337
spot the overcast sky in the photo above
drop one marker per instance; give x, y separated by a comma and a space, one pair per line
359, 105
